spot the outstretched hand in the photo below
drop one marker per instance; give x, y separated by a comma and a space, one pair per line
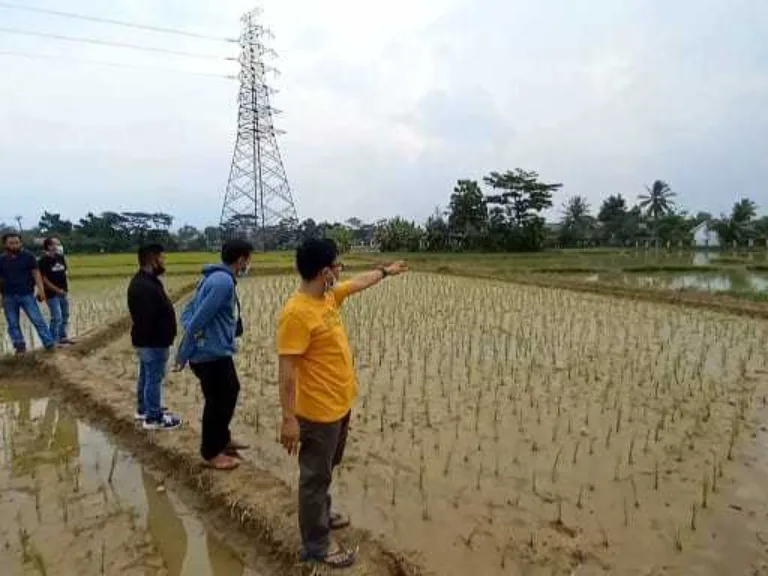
397, 268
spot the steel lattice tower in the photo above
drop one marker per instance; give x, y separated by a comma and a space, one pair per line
258, 204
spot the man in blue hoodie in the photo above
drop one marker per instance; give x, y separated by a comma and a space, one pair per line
211, 324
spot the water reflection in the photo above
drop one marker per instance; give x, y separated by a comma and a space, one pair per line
705, 258
737, 281
41, 442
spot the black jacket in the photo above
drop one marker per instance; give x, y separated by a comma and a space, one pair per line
152, 312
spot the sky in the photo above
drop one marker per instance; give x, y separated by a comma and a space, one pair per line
386, 104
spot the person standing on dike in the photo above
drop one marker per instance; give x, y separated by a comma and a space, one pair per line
212, 325
54, 271
153, 330
21, 288
317, 388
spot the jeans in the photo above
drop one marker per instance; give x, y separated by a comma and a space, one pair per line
221, 388
58, 306
13, 304
320, 451
149, 388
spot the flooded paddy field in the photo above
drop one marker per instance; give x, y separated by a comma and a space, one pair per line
74, 502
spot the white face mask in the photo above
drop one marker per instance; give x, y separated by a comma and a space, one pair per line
244, 271
330, 282
59, 250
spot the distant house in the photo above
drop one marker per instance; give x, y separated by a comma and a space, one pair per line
704, 236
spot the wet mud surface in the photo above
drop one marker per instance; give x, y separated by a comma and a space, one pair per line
73, 502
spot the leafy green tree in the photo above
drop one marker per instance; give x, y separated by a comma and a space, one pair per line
189, 238
613, 219
578, 223
675, 228
437, 233
657, 203
739, 227
398, 235
308, 229
212, 237
341, 235
744, 212
53, 225
761, 228
468, 214
520, 198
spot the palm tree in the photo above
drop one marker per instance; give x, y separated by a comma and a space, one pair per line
657, 203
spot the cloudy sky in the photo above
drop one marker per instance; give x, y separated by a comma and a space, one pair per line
387, 104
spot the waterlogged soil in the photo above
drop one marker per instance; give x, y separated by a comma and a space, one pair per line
72, 502
507, 429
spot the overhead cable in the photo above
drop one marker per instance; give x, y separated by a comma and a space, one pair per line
100, 42
149, 27
115, 64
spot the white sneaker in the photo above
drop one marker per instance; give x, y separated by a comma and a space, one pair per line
139, 417
167, 422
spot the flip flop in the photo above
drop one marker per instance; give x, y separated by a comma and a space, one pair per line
337, 558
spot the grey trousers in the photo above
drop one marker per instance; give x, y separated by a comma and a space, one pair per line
321, 450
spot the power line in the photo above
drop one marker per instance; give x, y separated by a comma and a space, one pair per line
77, 16
116, 44
115, 64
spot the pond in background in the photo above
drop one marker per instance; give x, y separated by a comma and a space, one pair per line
736, 280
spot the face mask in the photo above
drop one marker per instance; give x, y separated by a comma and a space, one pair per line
330, 281
59, 250
244, 271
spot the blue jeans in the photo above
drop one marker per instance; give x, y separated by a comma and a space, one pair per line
149, 388
13, 304
58, 306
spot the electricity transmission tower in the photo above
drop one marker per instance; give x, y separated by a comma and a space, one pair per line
258, 204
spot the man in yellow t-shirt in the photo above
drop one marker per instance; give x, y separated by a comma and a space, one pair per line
317, 388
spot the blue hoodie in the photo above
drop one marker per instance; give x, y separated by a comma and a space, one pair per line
210, 318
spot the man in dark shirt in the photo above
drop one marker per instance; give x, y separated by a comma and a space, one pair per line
53, 269
153, 331
19, 276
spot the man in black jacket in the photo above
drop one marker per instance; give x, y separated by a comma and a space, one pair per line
152, 333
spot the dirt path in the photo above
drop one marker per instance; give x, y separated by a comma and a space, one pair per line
257, 501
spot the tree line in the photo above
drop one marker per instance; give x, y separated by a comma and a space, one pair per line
504, 213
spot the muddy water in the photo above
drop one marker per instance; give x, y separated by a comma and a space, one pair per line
60, 514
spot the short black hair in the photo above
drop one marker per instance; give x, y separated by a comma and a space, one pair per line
8, 235
233, 250
149, 250
315, 255
48, 241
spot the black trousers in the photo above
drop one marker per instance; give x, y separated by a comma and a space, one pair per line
221, 387
321, 450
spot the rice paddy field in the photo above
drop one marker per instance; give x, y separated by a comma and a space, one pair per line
94, 302
506, 428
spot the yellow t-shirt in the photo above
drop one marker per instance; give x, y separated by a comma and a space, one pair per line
311, 329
